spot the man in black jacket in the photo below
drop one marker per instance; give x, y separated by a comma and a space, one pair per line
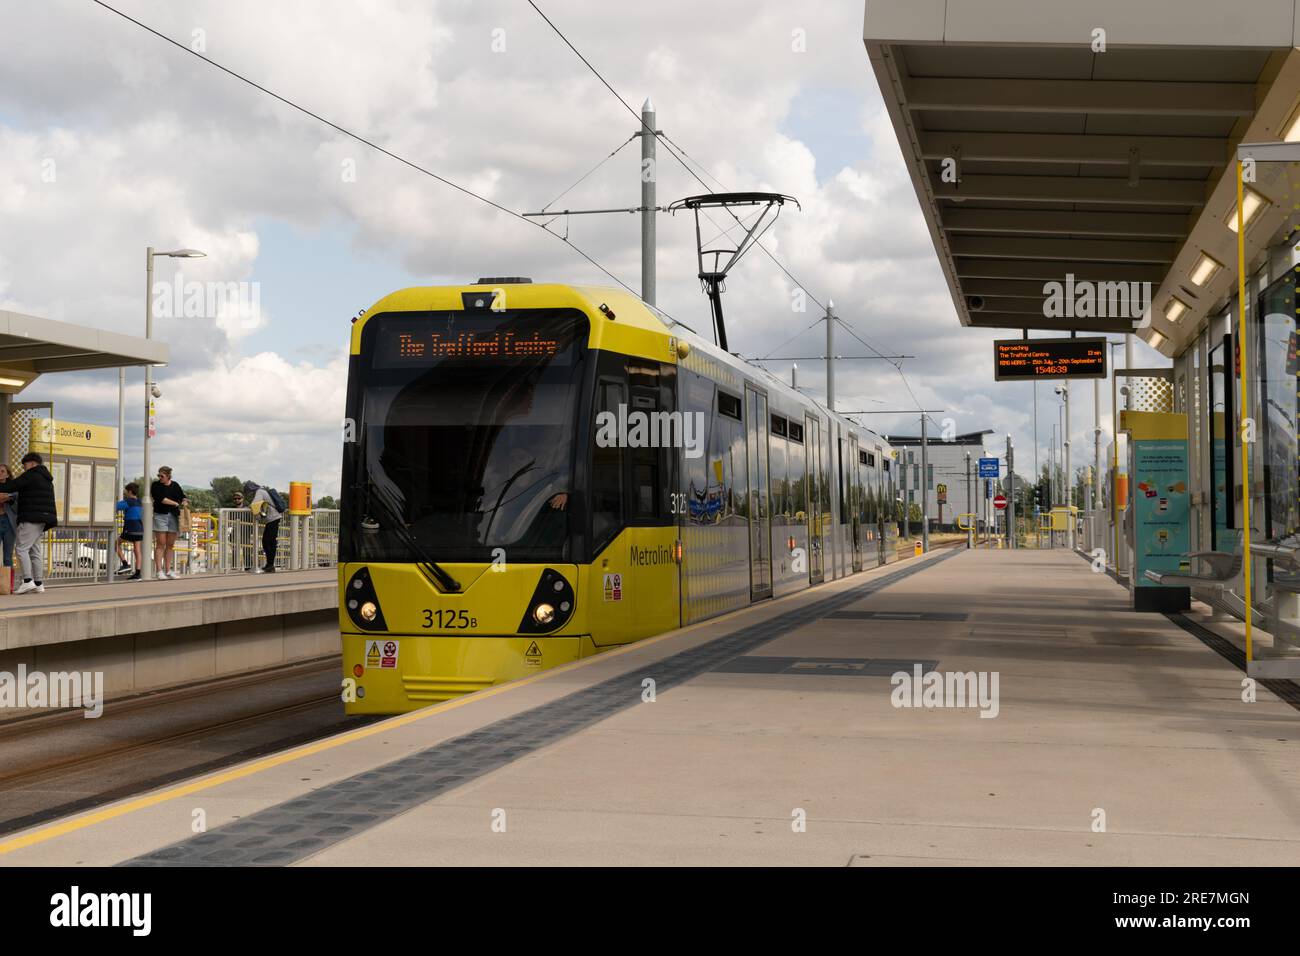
36, 512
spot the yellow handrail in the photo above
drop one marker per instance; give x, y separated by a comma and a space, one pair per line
1243, 349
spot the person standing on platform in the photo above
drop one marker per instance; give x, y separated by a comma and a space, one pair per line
264, 510
37, 512
132, 529
240, 559
8, 523
168, 498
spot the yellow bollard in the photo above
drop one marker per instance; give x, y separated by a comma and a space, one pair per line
916, 550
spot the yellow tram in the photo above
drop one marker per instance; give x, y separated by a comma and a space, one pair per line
534, 473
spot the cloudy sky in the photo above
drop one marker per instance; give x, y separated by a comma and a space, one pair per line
112, 140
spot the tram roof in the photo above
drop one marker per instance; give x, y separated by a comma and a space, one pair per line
1111, 166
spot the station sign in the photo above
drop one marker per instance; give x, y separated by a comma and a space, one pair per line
73, 439
989, 468
1017, 360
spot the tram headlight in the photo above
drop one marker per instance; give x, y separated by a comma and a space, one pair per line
362, 603
551, 607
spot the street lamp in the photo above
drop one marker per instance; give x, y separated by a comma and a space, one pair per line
1064, 391
150, 392
969, 502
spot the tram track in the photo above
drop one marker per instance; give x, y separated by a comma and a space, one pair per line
56, 765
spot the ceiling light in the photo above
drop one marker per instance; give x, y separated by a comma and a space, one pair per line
1175, 309
1156, 340
1292, 128
1206, 268
11, 382
1254, 202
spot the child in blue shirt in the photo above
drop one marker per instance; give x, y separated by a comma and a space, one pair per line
132, 529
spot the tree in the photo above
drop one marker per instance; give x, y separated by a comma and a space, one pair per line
223, 489
327, 502
201, 499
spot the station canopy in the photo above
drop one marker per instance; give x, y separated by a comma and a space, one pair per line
31, 346
1112, 166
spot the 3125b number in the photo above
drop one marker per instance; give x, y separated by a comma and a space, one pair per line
449, 620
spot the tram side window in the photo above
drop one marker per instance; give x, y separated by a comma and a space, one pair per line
607, 475
645, 466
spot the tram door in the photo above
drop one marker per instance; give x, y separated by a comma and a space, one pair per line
876, 496
858, 533
760, 514
812, 443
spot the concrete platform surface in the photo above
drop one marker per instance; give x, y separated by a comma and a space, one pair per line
89, 611
773, 737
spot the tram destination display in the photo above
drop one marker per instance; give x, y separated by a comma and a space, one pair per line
424, 340
1023, 359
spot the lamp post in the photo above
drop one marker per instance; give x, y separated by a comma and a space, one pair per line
1060, 454
1051, 471
146, 511
969, 501
1068, 478
1011, 494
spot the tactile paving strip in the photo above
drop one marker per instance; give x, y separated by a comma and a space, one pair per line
1287, 690
298, 828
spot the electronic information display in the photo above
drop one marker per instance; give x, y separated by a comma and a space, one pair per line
1025, 359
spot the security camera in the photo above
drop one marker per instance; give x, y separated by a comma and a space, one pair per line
155, 391
975, 303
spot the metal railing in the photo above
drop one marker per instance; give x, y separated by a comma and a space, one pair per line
229, 541
303, 541
81, 555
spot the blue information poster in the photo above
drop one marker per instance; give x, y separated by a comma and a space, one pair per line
1161, 506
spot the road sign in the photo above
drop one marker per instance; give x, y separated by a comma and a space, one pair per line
1000, 502
989, 468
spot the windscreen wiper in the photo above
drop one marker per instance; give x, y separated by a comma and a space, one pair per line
427, 565
504, 488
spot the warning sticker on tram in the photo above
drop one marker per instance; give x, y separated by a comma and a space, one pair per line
381, 654
1021, 359
533, 656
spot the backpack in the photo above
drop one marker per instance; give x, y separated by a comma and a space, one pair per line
277, 501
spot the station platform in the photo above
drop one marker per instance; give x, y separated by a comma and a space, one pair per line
146, 635
772, 737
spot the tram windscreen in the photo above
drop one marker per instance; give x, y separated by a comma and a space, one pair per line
465, 435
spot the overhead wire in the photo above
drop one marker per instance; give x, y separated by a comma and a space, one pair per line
680, 154
367, 142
